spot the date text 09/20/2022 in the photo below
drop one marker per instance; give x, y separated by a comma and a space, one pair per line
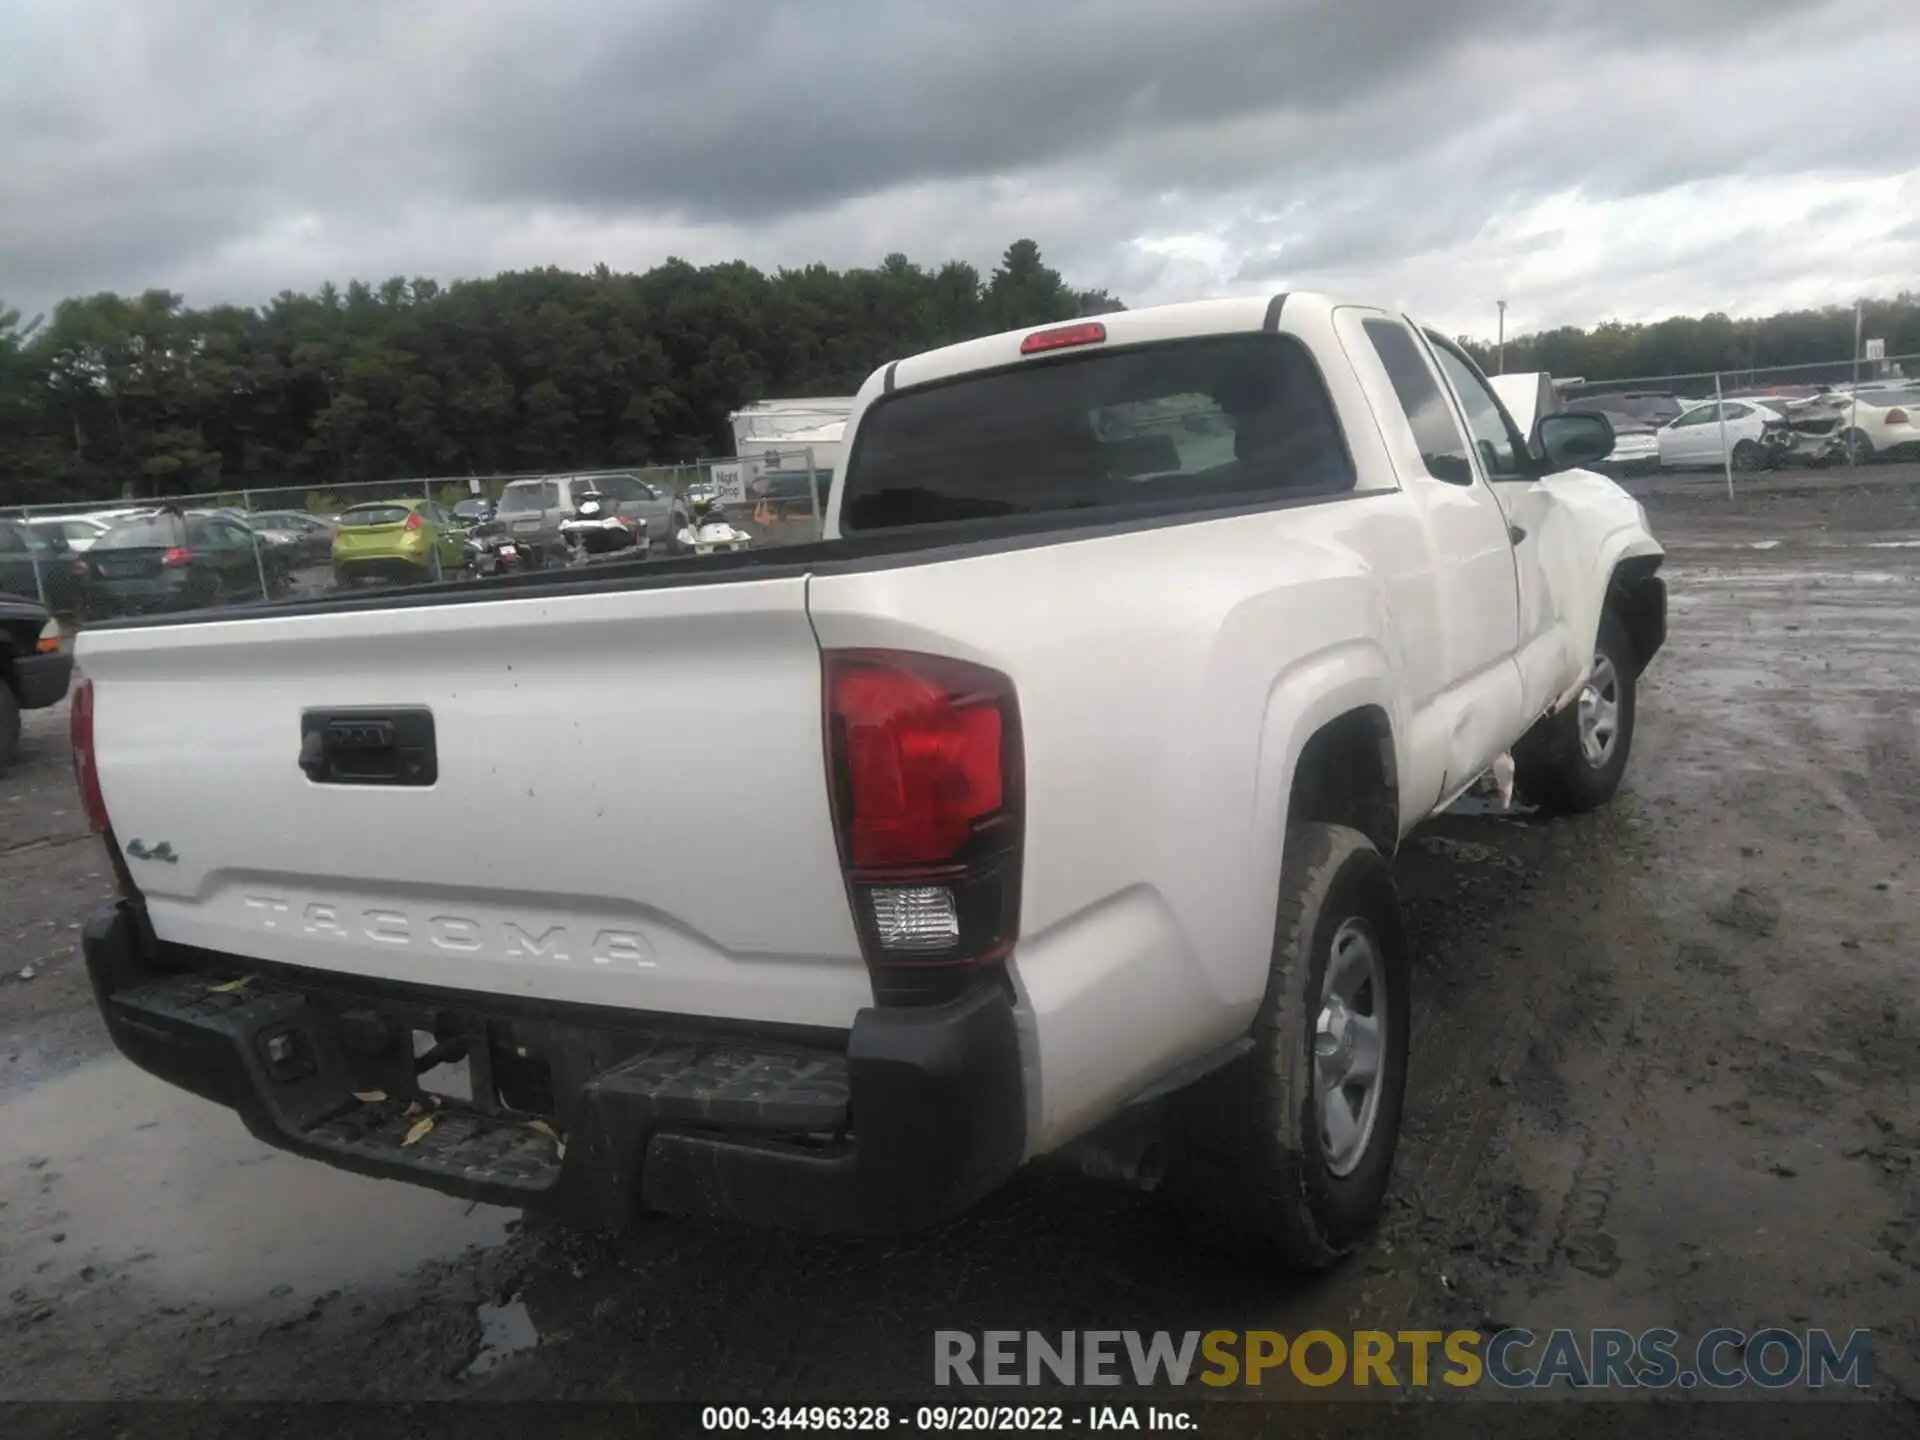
942, 1419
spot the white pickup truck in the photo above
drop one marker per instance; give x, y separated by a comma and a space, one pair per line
1054, 789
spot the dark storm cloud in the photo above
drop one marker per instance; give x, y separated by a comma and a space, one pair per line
745, 111
240, 145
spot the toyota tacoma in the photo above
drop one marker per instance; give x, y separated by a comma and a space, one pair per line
1056, 791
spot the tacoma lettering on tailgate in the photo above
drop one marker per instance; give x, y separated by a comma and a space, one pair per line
484, 938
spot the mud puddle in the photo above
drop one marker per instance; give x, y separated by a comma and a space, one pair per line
110, 1173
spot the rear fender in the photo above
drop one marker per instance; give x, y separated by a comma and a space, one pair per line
1309, 695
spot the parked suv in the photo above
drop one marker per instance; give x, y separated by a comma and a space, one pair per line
177, 561
531, 510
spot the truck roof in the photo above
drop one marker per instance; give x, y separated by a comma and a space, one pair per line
1178, 321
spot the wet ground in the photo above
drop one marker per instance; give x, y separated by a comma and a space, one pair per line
1665, 1073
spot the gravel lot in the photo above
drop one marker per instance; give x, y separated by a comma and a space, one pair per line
1665, 1073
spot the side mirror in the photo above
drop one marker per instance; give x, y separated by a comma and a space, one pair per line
1573, 439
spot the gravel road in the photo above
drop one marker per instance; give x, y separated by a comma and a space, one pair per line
1665, 1073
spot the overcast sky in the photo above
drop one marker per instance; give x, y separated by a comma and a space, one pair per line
1622, 158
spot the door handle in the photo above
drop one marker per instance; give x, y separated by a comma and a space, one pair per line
1516, 534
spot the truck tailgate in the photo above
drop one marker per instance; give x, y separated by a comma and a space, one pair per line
630, 806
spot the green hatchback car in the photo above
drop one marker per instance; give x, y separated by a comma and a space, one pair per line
403, 540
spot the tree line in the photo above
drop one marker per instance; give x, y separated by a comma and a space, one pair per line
531, 370
1706, 344
551, 369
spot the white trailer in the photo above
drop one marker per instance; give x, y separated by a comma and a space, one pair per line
778, 434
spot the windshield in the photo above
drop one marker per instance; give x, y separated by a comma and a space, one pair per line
165, 531
1227, 418
376, 515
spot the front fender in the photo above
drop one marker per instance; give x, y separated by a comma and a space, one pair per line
1609, 528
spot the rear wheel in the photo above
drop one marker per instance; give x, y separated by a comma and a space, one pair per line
1576, 761
1748, 456
9, 725
1287, 1152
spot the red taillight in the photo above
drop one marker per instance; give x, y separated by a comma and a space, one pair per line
1091, 333
79, 567
927, 769
86, 773
177, 557
414, 522
922, 765
1896, 416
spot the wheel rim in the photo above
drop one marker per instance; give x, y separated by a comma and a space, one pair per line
1858, 446
1349, 1046
1600, 712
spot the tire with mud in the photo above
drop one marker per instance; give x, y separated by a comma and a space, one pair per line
9, 725
1574, 763
1284, 1155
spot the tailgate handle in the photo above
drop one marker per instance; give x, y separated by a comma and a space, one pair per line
369, 747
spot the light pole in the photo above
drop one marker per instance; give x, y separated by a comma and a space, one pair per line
1500, 347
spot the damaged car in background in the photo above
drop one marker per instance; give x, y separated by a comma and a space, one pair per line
1881, 424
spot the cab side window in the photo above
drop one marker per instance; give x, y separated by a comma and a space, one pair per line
1501, 450
1443, 449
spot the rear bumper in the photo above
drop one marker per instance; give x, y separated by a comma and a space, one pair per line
41, 680
403, 568
899, 1124
160, 592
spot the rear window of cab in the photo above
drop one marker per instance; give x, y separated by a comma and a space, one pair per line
1211, 422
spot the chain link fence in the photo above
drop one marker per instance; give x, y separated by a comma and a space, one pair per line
1840, 413
273, 541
